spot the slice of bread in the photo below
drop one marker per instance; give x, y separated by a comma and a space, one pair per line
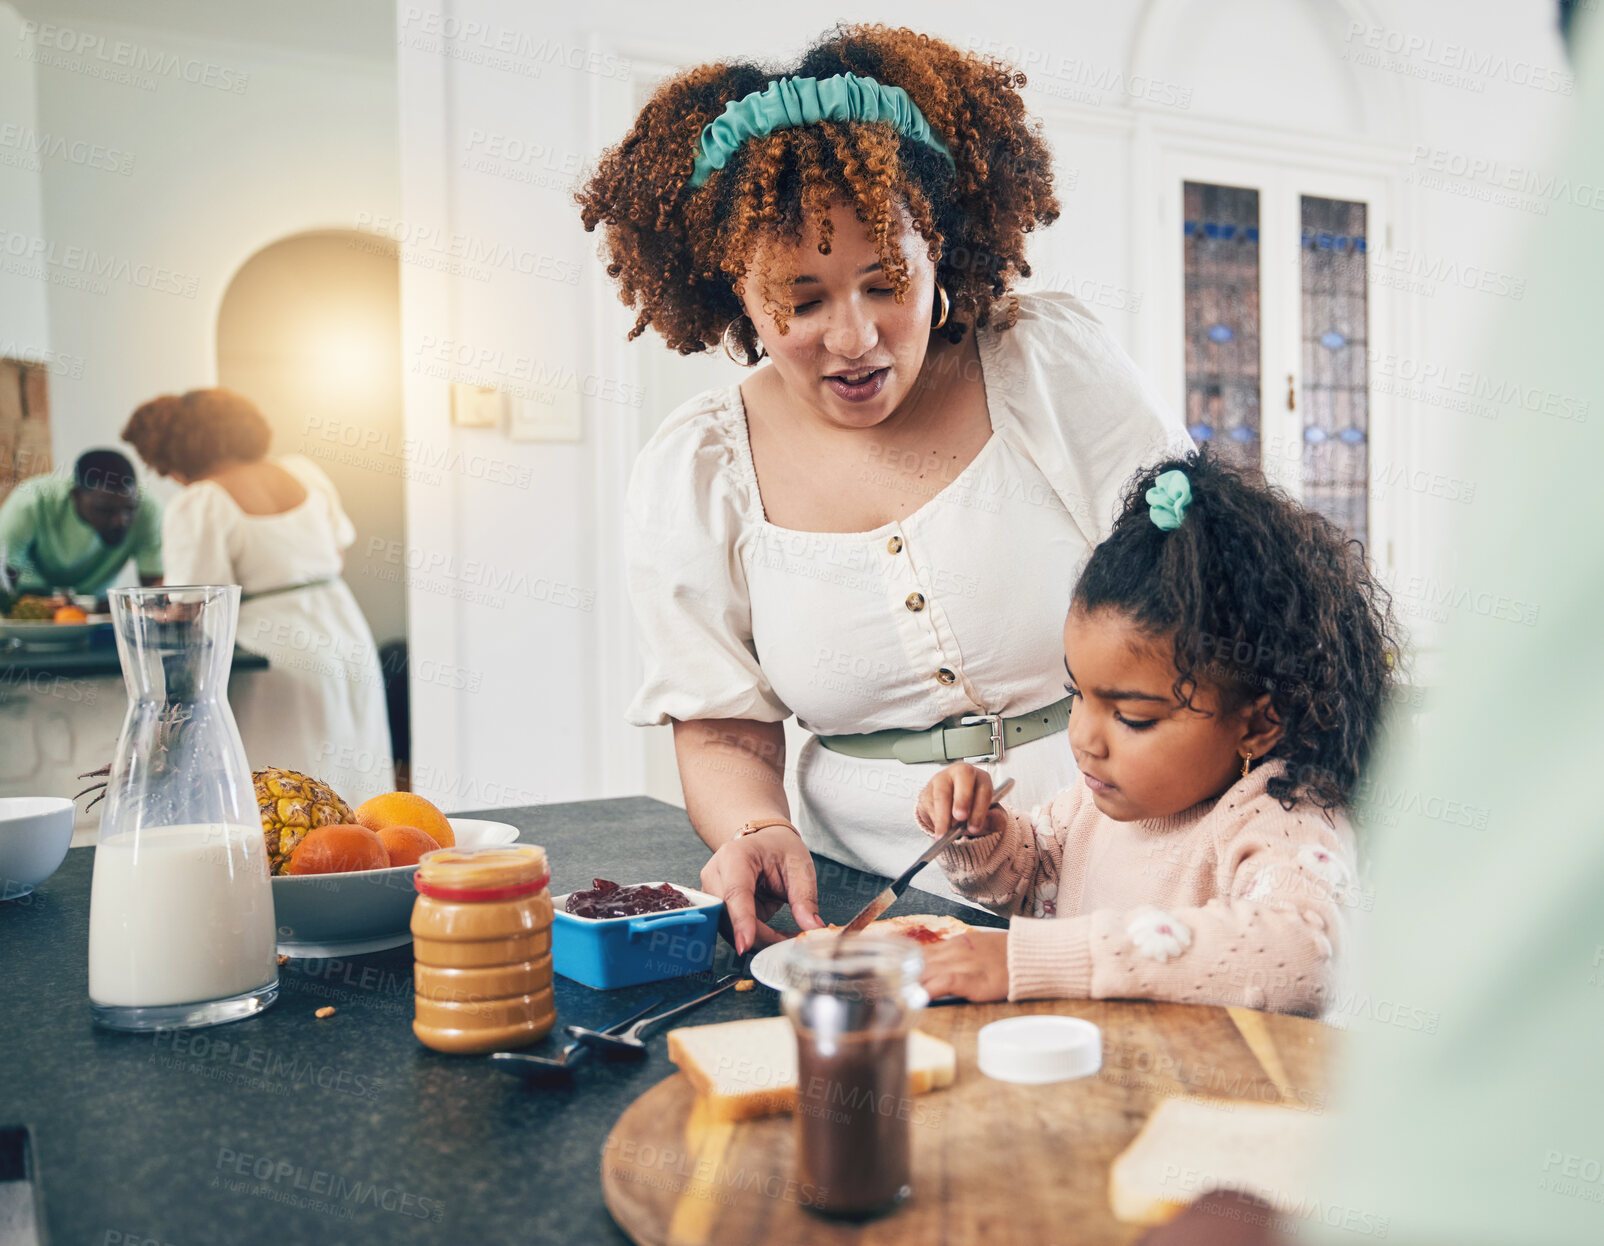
918, 926
1191, 1146
748, 1068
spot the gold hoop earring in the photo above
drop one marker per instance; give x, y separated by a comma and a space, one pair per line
1247, 761
946, 306
724, 338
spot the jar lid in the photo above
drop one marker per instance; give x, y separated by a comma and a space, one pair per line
1042, 1048
496, 867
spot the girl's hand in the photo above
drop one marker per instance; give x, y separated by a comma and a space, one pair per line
952, 796
973, 965
755, 875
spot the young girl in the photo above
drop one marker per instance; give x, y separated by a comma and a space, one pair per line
1230, 655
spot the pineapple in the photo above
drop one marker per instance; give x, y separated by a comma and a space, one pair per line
292, 804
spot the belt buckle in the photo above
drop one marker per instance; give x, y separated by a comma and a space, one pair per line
997, 744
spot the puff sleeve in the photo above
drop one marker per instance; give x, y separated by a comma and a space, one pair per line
691, 510
1067, 393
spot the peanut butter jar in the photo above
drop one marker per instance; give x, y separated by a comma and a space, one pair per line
481, 939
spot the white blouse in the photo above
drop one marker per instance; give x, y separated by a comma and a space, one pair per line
955, 609
320, 706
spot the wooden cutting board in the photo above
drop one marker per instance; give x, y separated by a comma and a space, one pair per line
992, 1162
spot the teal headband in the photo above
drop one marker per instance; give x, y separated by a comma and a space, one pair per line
1168, 499
788, 102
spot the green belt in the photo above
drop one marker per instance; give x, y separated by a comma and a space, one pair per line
286, 588
977, 737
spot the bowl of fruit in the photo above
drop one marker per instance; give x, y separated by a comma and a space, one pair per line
46, 624
342, 877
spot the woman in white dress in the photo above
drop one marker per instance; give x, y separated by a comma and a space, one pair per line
277, 529
879, 530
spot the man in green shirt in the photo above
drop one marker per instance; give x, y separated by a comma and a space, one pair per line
78, 534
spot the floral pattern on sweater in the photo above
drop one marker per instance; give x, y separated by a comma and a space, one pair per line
1235, 901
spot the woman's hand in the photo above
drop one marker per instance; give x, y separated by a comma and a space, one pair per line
754, 875
973, 965
952, 796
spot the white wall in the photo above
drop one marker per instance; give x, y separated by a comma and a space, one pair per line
24, 309
274, 137
546, 718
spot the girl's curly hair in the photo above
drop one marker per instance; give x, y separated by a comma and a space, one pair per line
1260, 595
681, 256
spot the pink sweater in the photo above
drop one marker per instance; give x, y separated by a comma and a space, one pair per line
1234, 901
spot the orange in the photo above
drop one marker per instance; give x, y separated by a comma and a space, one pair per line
70, 614
406, 809
406, 844
338, 849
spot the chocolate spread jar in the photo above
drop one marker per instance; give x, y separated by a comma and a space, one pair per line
853, 1009
481, 940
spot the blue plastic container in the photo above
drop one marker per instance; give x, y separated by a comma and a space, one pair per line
625, 951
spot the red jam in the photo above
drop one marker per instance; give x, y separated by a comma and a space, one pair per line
920, 934
607, 899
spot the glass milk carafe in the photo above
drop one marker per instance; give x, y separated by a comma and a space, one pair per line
181, 929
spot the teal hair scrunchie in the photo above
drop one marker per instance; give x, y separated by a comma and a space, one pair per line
788, 102
1168, 499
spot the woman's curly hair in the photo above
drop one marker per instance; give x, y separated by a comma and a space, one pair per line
1260, 595
194, 432
681, 255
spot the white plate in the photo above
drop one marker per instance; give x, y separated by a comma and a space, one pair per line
45, 636
768, 966
362, 911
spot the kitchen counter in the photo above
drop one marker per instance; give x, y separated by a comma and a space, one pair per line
286, 1128
28, 664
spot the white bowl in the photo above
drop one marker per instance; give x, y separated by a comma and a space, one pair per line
363, 910
35, 833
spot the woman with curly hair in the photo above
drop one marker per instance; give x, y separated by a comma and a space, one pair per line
275, 527
873, 530
1229, 654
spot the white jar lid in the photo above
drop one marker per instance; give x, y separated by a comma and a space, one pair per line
1041, 1048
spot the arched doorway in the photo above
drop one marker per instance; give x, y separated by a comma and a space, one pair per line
310, 329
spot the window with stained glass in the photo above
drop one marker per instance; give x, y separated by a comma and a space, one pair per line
1222, 318
1336, 423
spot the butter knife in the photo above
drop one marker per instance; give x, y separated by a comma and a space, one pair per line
888, 897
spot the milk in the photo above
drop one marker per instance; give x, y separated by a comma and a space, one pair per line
185, 918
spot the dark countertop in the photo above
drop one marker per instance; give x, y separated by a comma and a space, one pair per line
19, 664
284, 1128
